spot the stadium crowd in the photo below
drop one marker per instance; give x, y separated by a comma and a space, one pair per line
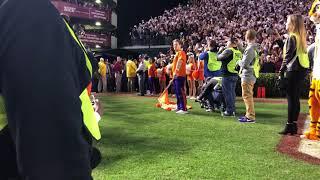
201, 20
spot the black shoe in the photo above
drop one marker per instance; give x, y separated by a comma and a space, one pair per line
291, 128
227, 114
139, 94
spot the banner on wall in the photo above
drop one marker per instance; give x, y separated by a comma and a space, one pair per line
74, 10
93, 40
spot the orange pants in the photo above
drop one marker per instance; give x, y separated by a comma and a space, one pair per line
314, 103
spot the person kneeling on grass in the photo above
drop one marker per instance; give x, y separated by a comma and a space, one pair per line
179, 76
249, 71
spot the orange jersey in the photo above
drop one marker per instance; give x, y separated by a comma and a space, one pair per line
152, 71
201, 66
181, 55
190, 69
163, 76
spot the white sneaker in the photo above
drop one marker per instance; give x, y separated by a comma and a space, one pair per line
188, 97
193, 98
182, 112
175, 109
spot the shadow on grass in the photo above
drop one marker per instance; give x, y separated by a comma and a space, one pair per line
203, 113
270, 119
133, 120
118, 145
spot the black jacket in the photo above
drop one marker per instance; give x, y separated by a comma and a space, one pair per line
225, 57
291, 62
42, 73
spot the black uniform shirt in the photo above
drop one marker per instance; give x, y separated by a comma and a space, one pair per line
42, 73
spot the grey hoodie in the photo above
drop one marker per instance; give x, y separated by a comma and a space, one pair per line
247, 73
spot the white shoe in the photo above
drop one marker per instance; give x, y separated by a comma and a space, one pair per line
175, 109
193, 98
182, 112
188, 97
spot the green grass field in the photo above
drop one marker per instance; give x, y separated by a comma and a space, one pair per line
143, 142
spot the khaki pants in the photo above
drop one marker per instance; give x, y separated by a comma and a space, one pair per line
247, 95
131, 84
118, 77
102, 85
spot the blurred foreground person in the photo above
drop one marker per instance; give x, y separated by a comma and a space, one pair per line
46, 118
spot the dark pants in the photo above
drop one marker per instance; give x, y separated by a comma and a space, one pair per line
229, 84
179, 88
295, 82
141, 80
8, 160
207, 91
152, 85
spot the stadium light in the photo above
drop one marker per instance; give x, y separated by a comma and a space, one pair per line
98, 1
98, 47
98, 23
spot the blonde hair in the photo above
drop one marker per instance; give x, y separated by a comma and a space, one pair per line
251, 35
296, 26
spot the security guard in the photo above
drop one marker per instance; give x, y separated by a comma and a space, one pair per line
230, 58
212, 67
46, 117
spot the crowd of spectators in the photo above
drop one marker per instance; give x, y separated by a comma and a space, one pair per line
201, 20
116, 73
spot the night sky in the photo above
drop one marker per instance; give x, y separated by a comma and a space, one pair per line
131, 12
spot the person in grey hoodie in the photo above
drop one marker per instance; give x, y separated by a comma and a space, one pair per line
248, 77
141, 76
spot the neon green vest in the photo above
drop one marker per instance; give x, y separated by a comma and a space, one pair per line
89, 118
237, 56
3, 117
213, 63
303, 56
256, 65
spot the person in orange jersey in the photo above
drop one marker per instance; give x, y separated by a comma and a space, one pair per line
152, 71
201, 73
191, 66
161, 73
179, 76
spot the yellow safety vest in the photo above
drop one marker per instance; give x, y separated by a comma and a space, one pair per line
303, 56
89, 118
256, 65
213, 63
237, 56
3, 117
313, 8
